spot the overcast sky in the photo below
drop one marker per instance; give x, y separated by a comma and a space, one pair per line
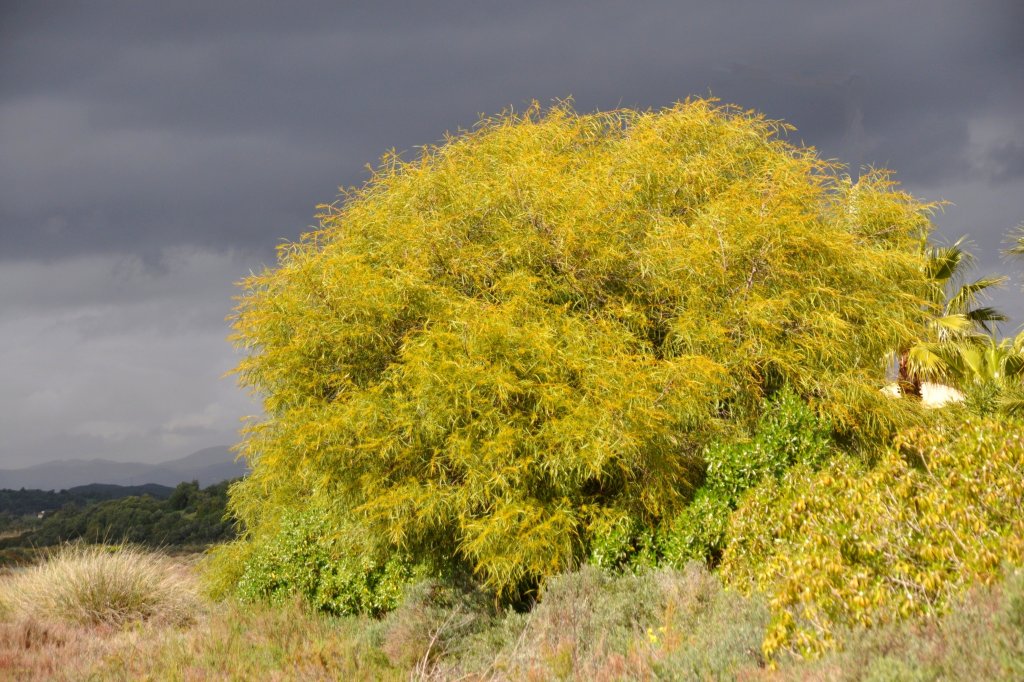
152, 153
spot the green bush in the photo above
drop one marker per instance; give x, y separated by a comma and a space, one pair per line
787, 434
624, 544
981, 398
541, 325
311, 558
857, 546
698, 532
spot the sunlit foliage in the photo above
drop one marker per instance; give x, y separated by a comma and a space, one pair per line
857, 546
490, 352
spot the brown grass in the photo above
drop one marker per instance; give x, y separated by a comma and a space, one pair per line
101, 585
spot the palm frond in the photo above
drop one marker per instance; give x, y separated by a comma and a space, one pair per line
1016, 242
954, 324
986, 318
985, 314
1012, 403
967, 295
974, 360
927, 360
945, 262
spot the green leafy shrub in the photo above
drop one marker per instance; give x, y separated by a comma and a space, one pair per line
698, 532
624, 543
541, 324
328, 567
788, 433
858, 546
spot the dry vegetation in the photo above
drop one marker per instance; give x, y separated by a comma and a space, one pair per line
99, 585
590, 624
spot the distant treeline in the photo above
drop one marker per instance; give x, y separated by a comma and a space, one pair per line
187, 516
17, 503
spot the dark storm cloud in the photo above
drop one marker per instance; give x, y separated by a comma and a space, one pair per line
151, 153
152, 124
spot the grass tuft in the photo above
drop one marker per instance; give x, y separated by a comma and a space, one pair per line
101, 585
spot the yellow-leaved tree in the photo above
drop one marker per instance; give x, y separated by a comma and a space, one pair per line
491, 351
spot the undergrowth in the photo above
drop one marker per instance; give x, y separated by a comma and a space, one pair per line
591, 624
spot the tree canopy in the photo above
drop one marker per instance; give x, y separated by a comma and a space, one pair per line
494, 349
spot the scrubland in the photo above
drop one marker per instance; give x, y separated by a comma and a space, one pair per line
592, 624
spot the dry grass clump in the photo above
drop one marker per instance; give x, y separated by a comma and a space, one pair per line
33, 650
596, 625
101, 585
434, 621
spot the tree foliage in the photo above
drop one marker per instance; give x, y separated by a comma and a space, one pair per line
491, 351
22, 509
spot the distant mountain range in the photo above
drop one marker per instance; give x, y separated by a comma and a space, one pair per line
208, 466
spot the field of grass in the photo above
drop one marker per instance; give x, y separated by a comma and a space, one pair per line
117, 613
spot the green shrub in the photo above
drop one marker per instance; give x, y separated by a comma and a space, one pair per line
858, 546
311, 557
698, 532
624, 544
981, 398
544, 322
788, 433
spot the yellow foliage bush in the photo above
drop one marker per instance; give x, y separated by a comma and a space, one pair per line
494, 350
855, 546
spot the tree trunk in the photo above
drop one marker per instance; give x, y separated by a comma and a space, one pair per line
909, 382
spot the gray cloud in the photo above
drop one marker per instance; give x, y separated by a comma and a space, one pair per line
1006, 161
154, 152
104, 357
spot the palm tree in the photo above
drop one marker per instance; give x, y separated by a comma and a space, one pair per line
993, 361
959, 323
1012, 400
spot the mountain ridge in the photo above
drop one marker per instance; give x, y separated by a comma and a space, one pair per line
208, 466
